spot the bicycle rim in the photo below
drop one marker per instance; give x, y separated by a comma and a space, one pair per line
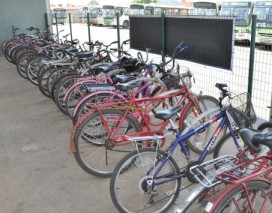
129, 189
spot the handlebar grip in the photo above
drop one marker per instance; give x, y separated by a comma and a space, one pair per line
126, 41
114, 42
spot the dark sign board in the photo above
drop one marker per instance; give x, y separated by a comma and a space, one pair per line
209, 40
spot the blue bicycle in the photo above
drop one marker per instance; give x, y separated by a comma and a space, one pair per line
149, 179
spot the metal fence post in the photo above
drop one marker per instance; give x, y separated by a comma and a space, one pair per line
163, 32
252, 55
118, 33
57, 28
89, 31
46, 21
70, 24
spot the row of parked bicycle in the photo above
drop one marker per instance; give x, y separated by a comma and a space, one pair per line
131, 114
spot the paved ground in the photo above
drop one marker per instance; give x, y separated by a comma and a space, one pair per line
37, 172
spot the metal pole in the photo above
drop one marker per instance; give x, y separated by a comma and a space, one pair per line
89, 32
163, 33
252, 55
118, 33
57, 28
46, 21
70, 24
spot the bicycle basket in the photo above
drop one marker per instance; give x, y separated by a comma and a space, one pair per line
241, 110
176, 80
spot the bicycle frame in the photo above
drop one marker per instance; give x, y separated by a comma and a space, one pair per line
182, 138
135, 104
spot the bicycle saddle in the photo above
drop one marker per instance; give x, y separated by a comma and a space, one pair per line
253, 139
92, 87
124, 78
167, 113
127, 86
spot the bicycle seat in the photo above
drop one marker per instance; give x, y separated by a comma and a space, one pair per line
92, 87
264, 138
168, 113
82, 55
247, 136
253, 139
124, 78
127, 86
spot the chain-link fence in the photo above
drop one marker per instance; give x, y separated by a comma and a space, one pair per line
251, 65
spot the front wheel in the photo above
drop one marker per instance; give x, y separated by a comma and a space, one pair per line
226, 145
91, 136
133, 187
199, 140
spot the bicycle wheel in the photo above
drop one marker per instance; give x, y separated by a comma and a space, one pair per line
61, 88
236, 200
74, 96
54, 75
91, 135
34, 67
265, 127
129, 187
198, 142
226, 145
23, 62
85, 106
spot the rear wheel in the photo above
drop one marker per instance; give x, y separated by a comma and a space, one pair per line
91, 154
131, 186
236, 200
86, 105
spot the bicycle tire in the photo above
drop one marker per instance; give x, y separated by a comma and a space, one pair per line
266, 126
23, 62
8, 50
128, 184
54, 76
34, 67
197, 142
62, 85
83, 107
90, 137
73, 97
226, 146
253, 186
